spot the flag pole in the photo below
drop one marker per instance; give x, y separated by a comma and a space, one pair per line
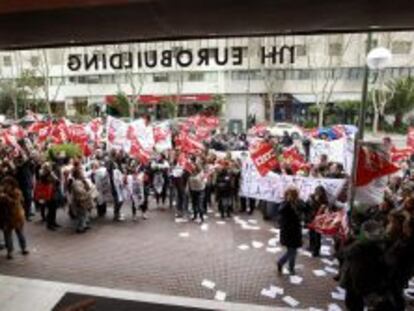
361, 126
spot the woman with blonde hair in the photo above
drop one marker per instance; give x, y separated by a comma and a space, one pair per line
290, 229
12, 216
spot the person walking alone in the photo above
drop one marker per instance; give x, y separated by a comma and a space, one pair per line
290, 229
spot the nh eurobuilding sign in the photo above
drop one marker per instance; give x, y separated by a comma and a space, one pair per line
181, 58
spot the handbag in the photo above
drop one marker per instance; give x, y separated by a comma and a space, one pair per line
43, 192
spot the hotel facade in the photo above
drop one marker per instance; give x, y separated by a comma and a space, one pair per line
273, 78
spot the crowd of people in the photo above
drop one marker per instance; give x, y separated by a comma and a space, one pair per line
376, 257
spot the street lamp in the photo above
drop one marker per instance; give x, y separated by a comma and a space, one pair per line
379, 58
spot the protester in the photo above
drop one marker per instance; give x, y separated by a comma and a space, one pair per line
290, 229
12, 217
197, 186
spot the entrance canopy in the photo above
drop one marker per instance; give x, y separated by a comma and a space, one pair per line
41, 23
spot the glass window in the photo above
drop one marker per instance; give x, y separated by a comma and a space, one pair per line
304, 74
211, 76
34, 61
7, 61
300, 50
56, 57
160, 77
57, 81
108, 79
335, 49
196, 76
401, 47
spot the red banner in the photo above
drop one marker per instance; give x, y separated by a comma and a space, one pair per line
264, 158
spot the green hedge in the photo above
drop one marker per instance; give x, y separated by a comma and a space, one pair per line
71, 150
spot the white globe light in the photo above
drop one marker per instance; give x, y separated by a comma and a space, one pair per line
379, 58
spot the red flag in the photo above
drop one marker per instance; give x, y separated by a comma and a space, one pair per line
400, 154
258, 130
372, 164
292, 154
139, 152
184, 161
191, 145
331, 223
17, 131
410, 137
264, 158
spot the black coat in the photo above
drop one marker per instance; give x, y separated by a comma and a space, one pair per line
290, 226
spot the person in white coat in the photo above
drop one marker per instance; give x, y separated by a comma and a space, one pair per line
134, 191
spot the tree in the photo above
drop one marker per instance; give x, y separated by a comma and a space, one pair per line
121, 105
402, 100
381, 94
30, 84
323, 76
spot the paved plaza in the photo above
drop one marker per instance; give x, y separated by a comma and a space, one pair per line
162, 256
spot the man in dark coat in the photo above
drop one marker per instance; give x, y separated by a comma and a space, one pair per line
290, 229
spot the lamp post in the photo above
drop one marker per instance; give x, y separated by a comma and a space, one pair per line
376, 59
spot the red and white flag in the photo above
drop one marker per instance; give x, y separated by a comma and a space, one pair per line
264, 158
374, 164
331, 223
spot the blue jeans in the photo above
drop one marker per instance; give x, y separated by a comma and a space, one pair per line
289, 256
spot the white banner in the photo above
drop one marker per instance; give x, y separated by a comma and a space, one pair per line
144, 133
119, 132
162, 136
340, 150
116, 131
272, 187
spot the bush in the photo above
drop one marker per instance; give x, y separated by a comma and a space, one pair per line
71, 150
390, 128
309, 124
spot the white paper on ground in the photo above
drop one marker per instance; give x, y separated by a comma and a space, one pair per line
299, 267
210, 211
314, 309
217, 215
273, 250
243, 247
204, 227
208, 284
181, 220
274, 230
325, 250
334, 307
220, 295
291, 301
328, 262
305, 253
249, 227
338, 296
277, 290
257, 244
268, 293
331, 270
252, 221
184, 235
340, 290
411, 283
319, 272
295, 279
272, 242
220, 222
